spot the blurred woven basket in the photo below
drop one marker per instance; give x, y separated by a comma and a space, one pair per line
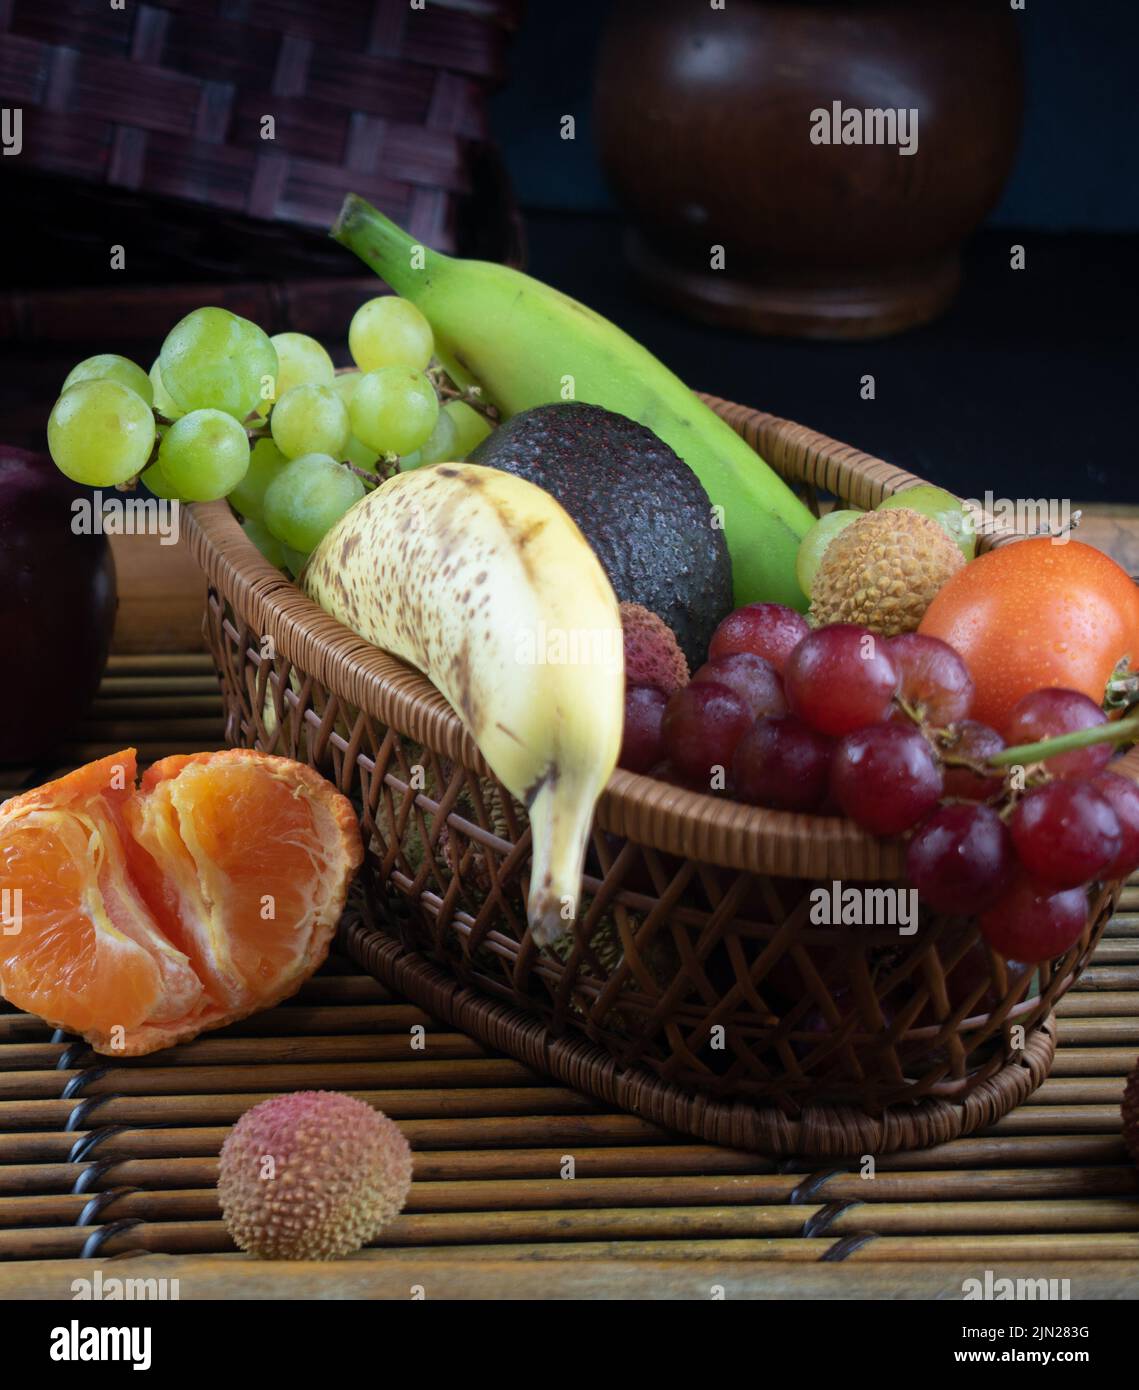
159, 113
695, 989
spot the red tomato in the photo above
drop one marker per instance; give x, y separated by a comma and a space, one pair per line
1032, 614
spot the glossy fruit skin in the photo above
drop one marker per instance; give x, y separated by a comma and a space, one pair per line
753, 679
642, 743
932, 678
770, 630
702, 725
960, 859
1046, 713
1032, 614
940, 506
1029, 924
1066, 833
782, 763
57, 607
977, 742
840, 678
1122, 795
885, 778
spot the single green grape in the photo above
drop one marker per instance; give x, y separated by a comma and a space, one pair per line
813, 546
310, 420
345, 384
164, 402
295, 560
360, 455
100, 433
265, 462
204, 455
390, 332
393, 410
108, 366
438, 447
214, 360
309, 495
159, 484
471, 428
265, 541
301, 361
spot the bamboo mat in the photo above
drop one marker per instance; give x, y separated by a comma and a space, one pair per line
104, 1159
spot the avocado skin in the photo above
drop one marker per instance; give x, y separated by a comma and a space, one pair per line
639, 505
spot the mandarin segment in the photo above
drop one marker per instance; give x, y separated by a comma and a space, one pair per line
149, 914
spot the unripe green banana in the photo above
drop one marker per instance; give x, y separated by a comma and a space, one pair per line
527, 344
483, 582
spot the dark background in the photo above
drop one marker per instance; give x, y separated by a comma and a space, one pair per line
1025, 386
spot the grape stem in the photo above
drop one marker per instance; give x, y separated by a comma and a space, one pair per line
1122, 731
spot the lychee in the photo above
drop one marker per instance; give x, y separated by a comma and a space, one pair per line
652, 653
311, 1176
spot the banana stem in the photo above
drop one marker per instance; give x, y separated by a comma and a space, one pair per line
383, 247
1122, 731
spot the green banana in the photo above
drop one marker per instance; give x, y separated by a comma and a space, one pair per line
526, 344
483, 582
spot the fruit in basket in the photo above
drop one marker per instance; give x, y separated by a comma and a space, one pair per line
310, 419
642, 738
301, 360
471, 428
204, 455
814, 545
213, 359
960, 859
109, 366
1034, 613
1032, 924
528, 345
702, 725
1065, 833
482, 581
164, 403
948, 511
783, 764
885, 778
100, 433
393, 410
307, 497
840, 678
965, 750
148, 914
769, 630
883, 571
754, 680
643, 511
265, 462
1046, 713
933, 681
313, 1175
652, 655
390, 332
48, 573
1122, 795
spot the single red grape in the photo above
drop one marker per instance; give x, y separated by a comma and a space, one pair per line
961, 859
642, 743
840, 678
765, 629
885, 778
977, 743
1028, 923
1046, 713
1122, 794
782, 763
1065, 833
702, 725
755, 680
932, 678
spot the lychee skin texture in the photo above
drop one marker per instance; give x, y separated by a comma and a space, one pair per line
652, 653
1131, 1115
311, 1176
883, 571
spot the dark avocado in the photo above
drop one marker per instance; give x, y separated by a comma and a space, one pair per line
642, 509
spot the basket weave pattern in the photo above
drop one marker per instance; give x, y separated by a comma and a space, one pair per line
695, 988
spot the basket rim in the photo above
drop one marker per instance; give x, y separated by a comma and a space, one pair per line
664, 817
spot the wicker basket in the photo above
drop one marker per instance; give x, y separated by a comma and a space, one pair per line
695, 991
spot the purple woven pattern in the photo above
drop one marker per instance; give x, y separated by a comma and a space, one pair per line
171, 98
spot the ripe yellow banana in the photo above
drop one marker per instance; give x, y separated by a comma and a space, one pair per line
482, 581
527, 344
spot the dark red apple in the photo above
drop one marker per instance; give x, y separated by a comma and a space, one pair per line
57, 607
